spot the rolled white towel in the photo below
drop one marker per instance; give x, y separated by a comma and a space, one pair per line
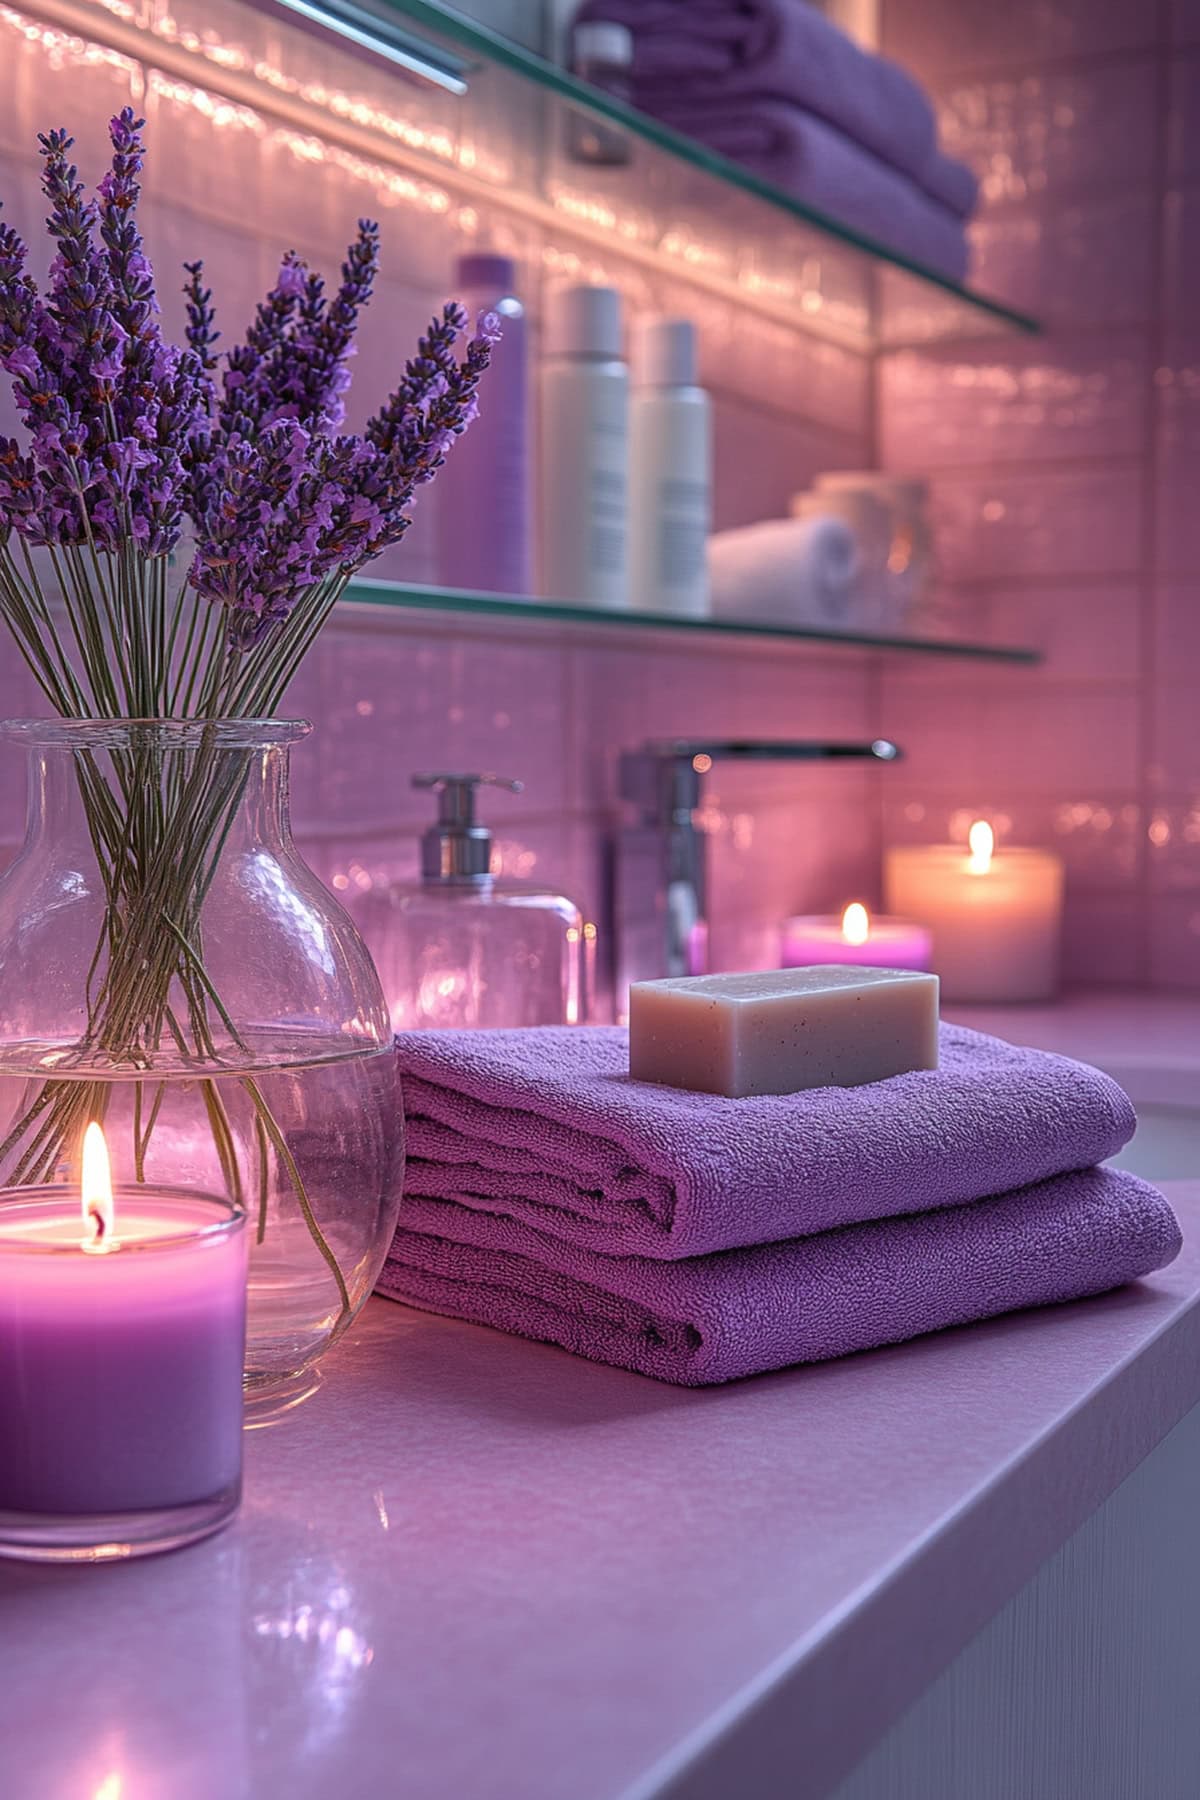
797, 570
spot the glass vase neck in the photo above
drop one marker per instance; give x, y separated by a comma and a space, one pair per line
156, 734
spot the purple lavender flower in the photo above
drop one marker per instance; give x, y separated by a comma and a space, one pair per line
293, 284
90, 337
316, 376
425, 374
133, 303
249, 382
202, 333
18, 295
110, 407
292, 365
127, 433
298, 505
164, 397
20, 490
433, 405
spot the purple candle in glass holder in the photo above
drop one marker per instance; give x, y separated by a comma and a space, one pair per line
855, 937
122, 1340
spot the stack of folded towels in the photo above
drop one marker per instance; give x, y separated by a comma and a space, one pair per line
772, 84
697, 1239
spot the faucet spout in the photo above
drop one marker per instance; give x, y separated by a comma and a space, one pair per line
772, 749
661, 869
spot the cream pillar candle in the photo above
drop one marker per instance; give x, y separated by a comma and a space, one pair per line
995, 914
783, 1029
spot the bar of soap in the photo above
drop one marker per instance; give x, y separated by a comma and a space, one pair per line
783, 1030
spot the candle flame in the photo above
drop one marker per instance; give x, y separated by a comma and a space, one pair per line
981, 842
856, 923
96, 1196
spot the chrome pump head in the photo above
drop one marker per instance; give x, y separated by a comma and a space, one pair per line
458, 848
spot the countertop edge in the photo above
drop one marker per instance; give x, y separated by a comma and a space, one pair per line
828, 1699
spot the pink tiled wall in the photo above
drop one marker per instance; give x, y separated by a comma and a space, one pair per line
1063, 473
1065, 469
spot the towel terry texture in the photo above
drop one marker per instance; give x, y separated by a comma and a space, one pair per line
545, 1126
728, 57
741, 1312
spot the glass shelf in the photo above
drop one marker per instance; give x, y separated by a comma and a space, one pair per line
450, 601
467, 126
827, 277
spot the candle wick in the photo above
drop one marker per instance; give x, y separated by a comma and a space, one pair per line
99, 1223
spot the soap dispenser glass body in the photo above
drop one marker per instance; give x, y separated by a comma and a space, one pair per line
487, 952
463, 949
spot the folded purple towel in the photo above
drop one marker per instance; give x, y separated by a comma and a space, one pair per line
714, 1318
546, 1125
950, 183
722, 50
826, 170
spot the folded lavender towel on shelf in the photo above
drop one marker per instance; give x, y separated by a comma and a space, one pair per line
951, 184
545, 1125
714, 1318
724, 50
830, 172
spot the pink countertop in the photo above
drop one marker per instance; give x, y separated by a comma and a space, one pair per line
475, 1567
1150, 1042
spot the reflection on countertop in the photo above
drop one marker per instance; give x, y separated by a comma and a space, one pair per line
1149, 1041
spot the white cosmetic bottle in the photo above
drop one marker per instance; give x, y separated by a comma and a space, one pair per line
584, 449
670, 472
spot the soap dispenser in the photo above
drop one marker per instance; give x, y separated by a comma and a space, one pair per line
462, 948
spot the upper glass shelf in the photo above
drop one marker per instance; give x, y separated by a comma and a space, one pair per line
710, 219
506, 606
432, 108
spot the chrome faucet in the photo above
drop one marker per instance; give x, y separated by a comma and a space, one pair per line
660, 902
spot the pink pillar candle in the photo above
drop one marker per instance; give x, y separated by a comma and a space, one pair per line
857, 938
120, 1368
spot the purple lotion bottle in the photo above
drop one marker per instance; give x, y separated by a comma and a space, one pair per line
483, 493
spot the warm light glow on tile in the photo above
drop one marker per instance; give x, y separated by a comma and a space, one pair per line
63, 47
225, 115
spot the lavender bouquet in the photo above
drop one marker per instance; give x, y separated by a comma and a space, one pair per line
174, 531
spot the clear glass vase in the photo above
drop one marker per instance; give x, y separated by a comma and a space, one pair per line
171, 967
